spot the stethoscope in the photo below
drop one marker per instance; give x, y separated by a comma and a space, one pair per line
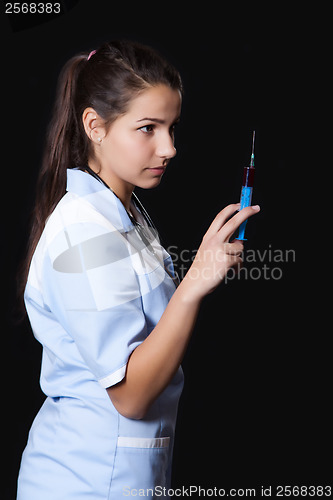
146, 239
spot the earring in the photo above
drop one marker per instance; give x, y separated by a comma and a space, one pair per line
99, 140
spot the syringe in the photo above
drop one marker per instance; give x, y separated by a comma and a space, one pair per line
247, 188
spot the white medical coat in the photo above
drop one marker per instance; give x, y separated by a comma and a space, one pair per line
94, 293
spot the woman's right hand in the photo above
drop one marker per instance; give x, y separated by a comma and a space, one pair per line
155, 361
216, 255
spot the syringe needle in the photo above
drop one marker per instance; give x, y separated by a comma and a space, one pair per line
252, 154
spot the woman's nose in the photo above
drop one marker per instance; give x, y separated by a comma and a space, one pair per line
166, 148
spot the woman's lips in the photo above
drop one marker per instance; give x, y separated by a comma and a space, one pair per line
157, 170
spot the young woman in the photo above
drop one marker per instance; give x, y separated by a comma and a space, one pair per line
101, 293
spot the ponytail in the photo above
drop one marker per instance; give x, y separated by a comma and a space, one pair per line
58, 156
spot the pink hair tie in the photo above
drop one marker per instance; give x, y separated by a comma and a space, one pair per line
91, 54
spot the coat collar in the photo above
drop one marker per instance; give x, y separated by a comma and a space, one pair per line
99, 196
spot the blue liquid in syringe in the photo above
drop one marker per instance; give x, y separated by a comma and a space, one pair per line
246, 193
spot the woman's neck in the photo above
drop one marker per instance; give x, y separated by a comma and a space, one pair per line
122, 189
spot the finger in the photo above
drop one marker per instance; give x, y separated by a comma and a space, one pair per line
235, 247
230, 227
221, 218
235, 261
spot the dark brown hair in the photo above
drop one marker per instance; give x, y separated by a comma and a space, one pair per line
107, 81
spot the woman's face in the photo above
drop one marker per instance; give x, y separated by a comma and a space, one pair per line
139, 144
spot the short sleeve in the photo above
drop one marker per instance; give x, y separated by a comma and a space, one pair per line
89, 286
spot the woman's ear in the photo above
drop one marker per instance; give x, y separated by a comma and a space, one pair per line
93, 125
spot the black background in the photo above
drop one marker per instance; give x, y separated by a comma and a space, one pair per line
255, 408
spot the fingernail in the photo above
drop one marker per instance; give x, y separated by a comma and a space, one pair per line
255, 207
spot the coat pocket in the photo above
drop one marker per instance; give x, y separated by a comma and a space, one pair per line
140, 464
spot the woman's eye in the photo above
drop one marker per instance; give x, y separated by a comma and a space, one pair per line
147, 129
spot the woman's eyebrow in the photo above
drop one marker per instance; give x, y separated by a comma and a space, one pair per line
157, 120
